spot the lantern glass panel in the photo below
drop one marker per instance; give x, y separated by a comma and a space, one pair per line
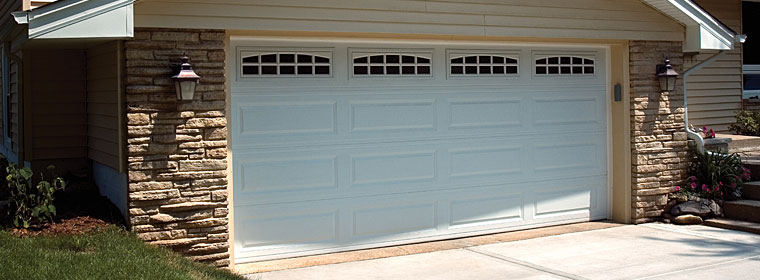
185, 89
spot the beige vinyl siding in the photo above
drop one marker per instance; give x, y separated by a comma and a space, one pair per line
587, 19
104, 105
715, 91
58, 105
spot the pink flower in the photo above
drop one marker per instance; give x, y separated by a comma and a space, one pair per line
721, 183
705, 188
704, 129
678, 188
716, 188
712, 133
733, 185
693, 178
693, 185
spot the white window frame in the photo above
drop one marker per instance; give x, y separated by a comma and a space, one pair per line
512, 54
750, 69
354, 53
247, 52
585, 55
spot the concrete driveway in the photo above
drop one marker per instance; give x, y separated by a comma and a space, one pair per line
652, 251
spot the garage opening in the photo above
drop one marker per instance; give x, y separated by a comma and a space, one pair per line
353, 145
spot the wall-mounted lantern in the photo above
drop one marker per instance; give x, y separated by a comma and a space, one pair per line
667, 76
186, 80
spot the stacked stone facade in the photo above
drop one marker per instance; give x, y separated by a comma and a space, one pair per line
178, 149
659, 144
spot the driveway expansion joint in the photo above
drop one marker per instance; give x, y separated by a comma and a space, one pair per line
526, 264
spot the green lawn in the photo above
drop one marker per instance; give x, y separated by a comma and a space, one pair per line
109, 254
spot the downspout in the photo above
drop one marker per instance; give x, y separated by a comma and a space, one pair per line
698, 140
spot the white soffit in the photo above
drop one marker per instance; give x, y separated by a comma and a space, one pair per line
72, 19
703, 32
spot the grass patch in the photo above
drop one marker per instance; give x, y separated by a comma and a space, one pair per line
108, 254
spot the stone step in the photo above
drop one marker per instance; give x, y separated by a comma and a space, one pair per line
743, 210
734, 225
751, 190
753, 164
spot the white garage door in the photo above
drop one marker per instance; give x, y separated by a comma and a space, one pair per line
348, 145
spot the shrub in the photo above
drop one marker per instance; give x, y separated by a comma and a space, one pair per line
715, 176
30, 204
747, 123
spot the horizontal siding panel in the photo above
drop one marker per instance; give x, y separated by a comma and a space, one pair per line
509, 9
714, 100
711, 114
593, 19
103, 79
103, 133
53, 131
59, 142
720, 106
104, 158
715, 78
712, 92
102, 121
714, 85
58, 153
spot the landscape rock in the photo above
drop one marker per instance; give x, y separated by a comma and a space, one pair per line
701, 208
688, 220
670, 206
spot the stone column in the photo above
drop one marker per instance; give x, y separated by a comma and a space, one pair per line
659, 144
178, 149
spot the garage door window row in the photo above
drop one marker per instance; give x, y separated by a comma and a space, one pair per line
286, 64
484, 65
392, 64
319, 64
564, 65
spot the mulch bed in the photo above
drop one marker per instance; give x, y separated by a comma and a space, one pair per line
73, 226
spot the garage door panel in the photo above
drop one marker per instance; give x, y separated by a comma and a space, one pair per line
567, 198
485, 113
389, 218
486, 210
393, 116
288, 119
338, 120
408, 217
486, 161
284, 174
393, 168
264, 228
330, 172
568, 112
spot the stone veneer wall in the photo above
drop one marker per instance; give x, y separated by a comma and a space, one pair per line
659, 144
178, 149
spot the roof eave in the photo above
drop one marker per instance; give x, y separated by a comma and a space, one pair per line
75, 19
703, 31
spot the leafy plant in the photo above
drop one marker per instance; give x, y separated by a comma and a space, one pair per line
30, 204
715, 176
747, 123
